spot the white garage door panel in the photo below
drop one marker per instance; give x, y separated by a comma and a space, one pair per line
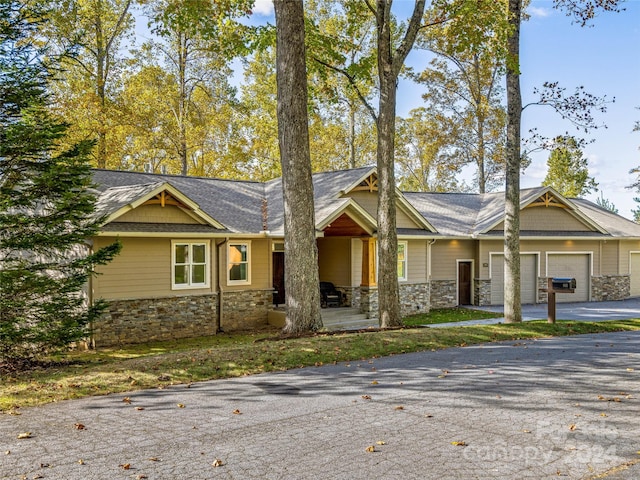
571, 266
528, 279
635, 274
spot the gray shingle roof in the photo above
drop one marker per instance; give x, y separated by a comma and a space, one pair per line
615, 224
235, 204
238, 205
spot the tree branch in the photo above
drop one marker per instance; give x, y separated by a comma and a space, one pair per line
353, 83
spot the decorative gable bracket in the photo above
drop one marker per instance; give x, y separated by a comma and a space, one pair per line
369, 184
163, 199
547, 200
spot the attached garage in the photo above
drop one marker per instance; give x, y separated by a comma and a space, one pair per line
528, 278
571, 265
634, 273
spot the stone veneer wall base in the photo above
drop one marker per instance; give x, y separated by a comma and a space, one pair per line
155, 319
414, 298
610, 287
443, 294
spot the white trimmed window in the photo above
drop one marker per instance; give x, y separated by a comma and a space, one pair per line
238, 263
402, 261
190, 262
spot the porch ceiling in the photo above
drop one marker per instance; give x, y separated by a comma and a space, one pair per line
344, 226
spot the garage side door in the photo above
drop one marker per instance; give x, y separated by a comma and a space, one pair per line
635, 274
528, 279
575, 266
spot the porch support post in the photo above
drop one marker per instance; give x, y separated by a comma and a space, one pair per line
368, 262
368, 287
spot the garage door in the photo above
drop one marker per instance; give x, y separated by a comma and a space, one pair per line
528, 279
635, 274
573, 266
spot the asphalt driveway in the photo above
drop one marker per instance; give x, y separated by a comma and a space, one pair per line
580, 311
553, 408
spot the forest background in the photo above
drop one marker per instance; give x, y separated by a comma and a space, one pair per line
166, 93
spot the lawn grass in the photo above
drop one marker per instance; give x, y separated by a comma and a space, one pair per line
83, 373
449, 315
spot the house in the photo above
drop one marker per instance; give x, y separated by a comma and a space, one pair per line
200, 254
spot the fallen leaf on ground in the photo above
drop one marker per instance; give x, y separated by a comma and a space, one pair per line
381, 442
428, 415
459, 443
629, 369
370, 448
81, 462
139, 408
125, 466
141, 476
126, 400
79, 426
366, 397
572, 427
8, 452
399, 407
375, 382
180, 405
603, 414
154, 459
218, 463
25, 435
526, 431
237, 412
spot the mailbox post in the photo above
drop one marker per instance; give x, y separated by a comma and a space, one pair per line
557, 285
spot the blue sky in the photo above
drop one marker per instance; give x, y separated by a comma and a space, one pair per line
604, 58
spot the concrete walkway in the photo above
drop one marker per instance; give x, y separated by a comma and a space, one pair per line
554, 408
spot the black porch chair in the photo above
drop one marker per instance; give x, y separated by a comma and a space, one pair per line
329, 295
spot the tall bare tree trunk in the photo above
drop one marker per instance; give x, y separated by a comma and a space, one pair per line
101, 67
301, 253
512, 300
389, 64
183, 52
388, 289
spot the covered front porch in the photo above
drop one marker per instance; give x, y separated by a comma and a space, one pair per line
333, 319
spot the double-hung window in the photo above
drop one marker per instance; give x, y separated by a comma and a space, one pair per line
238, 263
402, 261
190, 264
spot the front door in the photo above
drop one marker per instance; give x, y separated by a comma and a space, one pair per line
464, 283
278, 277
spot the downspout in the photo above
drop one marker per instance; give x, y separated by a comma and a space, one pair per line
219, 288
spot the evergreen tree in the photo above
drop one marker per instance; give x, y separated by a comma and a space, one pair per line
46, 207
568, 170
606, 204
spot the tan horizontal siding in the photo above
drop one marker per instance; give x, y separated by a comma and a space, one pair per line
444, 254
417, 261
356, 262
334, 260
157, 214
609, 261
369, 201
141, 270
626, 247
550, 219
